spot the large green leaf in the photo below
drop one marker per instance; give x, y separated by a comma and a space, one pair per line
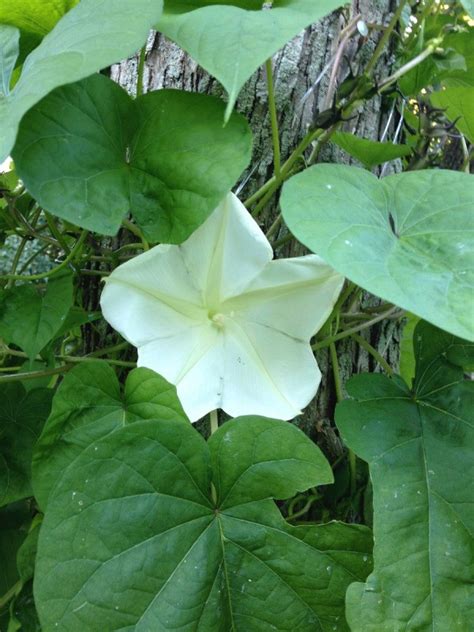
369, 152
9, 49
30, 319
89, 405
145, 547
34, 16
232, 39
91, 36
22, 416
420, 450
459, 105
407, 238
91, 154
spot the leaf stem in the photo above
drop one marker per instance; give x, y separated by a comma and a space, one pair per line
214, 420
12, 592
133, 228
273, 118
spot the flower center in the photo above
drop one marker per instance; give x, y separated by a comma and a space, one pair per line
217, 318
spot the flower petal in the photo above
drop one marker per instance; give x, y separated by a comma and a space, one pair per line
294, 296
152, 296
226, 252
191, 360
266, 372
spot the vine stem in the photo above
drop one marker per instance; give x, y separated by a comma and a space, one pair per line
344, 37
356, 329
409, 66
340, 396
34, 374
273, 118
214, 421
49, 273
56, 233
374, 353
272, 185
6, 351
140, 71
70, 360
385, 37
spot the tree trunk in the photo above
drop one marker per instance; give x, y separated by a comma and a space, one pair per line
296, 69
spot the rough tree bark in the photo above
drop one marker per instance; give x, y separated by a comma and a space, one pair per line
296, 69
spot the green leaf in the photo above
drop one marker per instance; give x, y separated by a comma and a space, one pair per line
22, 416
9, 50
462, 355
144, 547
407, 349
407, 238
90, 154
34, 16
420, 450
91, 36
12, 534
459, 105
29, 319
267, 465
369, 152
231, 42
455, 69
26, 555
89, 405
75, 318
24, 616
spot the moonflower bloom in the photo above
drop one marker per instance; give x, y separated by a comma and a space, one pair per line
217, 317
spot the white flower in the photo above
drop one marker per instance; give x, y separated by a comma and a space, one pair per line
223, 322
6, 165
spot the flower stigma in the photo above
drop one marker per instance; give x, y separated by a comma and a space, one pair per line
218, 319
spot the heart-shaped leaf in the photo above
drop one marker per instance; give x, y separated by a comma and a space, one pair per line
407, 238
91, 36
232, 39
420, 450
30, 319
145, 547
88, 405
22, 416
90, 154
369, 152
34, 16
